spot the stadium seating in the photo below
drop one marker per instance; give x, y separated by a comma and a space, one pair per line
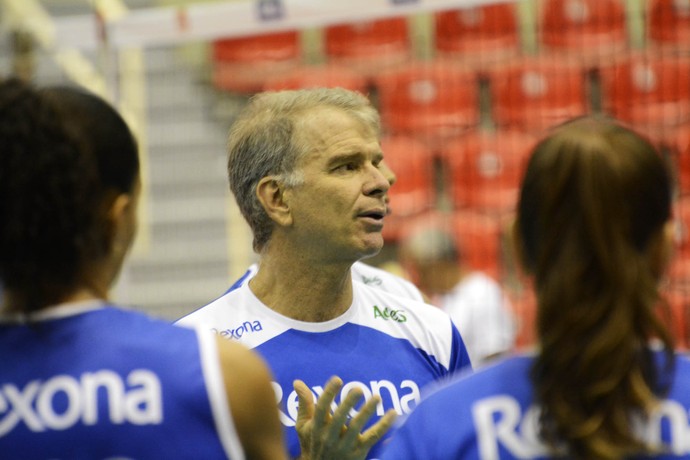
480, 36
369, 47
328, 76
415, 189
668, 24
536, 93
480, 238
244, 64
648, 90
413, 164
485, 168
591, 30
432, 100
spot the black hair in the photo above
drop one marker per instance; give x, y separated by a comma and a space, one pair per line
63, 151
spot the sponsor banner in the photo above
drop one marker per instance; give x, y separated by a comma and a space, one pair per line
402, 397
500, 423
64, 401
172, 25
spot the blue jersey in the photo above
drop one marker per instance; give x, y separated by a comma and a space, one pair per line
97, 382
384, 344
491, 415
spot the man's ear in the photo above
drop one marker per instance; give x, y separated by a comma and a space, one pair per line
271, 194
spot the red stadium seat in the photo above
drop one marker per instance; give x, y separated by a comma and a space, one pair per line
413, 164
668, 24
480, 238
431, 100
590, 29
477, 235
648, 90
414, 191
369, 47
244, 64
480, 35
485, 169
678, 144
537, 93
326, 76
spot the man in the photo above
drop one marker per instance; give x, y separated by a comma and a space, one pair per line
474, 300
304, 167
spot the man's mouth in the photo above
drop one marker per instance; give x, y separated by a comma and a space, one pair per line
377, 214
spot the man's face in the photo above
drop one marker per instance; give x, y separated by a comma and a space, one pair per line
338, 211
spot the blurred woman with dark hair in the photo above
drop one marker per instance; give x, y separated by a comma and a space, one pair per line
594, 230
80, 377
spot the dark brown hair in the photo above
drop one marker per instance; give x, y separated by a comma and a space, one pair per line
62, 152
594, 196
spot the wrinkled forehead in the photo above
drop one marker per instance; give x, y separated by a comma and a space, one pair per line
332, 129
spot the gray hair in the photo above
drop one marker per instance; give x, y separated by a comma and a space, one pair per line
263, 142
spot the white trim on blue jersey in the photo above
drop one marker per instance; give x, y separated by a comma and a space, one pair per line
215, 386
384, 344
364, 273
431, 330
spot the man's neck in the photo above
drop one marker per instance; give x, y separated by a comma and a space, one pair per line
303, 290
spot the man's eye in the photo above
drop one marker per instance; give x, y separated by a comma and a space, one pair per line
347, 167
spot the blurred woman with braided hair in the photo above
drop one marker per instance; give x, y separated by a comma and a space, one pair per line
81, 378
594, 231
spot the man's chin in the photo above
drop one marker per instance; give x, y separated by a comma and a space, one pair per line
373, 247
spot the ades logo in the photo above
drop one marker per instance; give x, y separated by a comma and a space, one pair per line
389, 314
375, 280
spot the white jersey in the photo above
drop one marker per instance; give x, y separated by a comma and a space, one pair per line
482, 314
384, 344
364, 273
381, 279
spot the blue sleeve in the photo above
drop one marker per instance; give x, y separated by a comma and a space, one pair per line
407, 442
459, 358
